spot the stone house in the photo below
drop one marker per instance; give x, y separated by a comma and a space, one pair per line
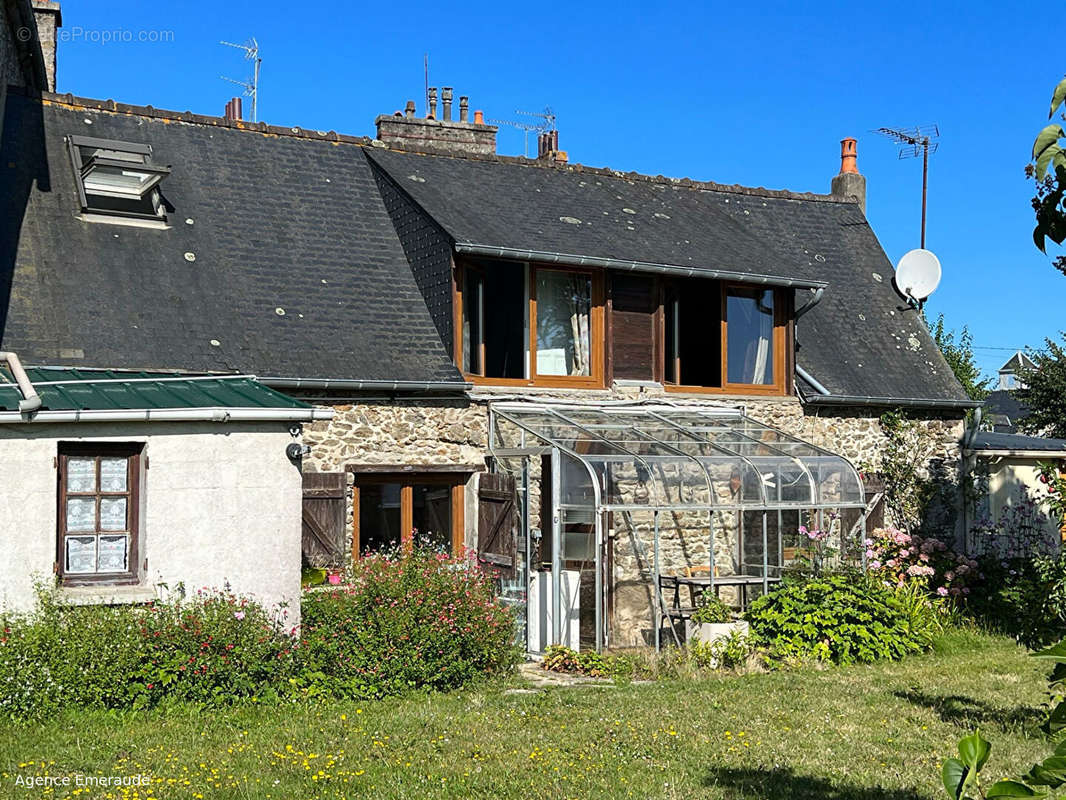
417, 280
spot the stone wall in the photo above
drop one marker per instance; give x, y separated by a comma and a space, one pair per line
10, 71
438, 431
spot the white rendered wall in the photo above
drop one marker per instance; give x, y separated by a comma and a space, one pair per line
221, 503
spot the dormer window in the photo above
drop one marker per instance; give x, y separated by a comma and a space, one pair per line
117, 178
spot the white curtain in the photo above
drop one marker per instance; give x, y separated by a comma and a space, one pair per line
580, 302
762, 352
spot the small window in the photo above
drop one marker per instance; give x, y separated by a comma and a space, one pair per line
117, 178
749, 315
98, 512
722, 337
394, 511
692, 323
529, 325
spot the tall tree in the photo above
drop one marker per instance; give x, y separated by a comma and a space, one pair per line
960, 357
1045, 395
1048, 170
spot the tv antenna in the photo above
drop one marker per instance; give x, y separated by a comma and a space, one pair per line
547, 123
251, 88
919, 140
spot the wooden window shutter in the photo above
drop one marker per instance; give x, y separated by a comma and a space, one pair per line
634, 318
497, 524
324, 517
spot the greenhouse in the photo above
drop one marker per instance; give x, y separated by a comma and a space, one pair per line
625, 508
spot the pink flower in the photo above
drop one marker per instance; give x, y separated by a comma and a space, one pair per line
942, 592
238, 614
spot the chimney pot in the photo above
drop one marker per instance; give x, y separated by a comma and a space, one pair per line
446, 99
409, 109
848, 156
233, 109
464, 108
479, 117
849, 182
432, 112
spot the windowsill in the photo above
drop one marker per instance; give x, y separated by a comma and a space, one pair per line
130, 222
105, 595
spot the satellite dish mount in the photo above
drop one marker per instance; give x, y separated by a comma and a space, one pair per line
917, 276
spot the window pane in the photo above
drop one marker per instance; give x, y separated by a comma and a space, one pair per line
81, 554
379, 516
113, 553
433, 516
81, 513
750, 336
81, 474
564, 344
472, 317
113, 514
113, 474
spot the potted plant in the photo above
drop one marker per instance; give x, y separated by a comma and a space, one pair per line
712, 621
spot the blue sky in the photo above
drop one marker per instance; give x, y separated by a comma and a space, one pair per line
756, 94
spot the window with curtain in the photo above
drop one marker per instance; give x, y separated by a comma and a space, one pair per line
564, 306
99, 505
750, 336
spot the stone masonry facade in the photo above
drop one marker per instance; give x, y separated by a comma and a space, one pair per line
454, 431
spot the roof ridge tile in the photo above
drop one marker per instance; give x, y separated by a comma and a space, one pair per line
190, 117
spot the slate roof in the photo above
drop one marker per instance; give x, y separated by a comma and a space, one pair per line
519, 205
986, 440
1004, 410
82, 390
280, 259
1016, 362
861, 341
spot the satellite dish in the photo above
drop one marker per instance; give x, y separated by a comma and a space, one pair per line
918, 275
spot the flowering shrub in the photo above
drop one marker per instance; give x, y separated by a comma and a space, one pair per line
897, 557
213, 649
405, 621
1022, 530
841, 618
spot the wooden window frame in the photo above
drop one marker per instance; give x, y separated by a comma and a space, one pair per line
781, 338
597, 332
407, 480
133, 453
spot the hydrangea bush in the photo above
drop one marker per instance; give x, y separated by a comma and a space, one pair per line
898, 557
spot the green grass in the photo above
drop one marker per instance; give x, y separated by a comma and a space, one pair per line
876, 733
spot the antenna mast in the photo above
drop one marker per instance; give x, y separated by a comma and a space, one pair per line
251, 88
548, 124
919, 140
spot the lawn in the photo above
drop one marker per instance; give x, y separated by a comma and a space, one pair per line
876, 733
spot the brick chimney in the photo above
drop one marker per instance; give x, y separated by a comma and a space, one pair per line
49, 19
849, 182
453, 136
548, 147
233, 109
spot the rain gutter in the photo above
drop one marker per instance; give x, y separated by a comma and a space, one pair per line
887, 402
321, 384
217, 414
545, 257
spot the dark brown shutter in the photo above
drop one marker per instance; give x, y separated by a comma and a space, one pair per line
324, 516
634, 303
497, 524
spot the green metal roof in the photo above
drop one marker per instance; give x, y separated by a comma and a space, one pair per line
68, 389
